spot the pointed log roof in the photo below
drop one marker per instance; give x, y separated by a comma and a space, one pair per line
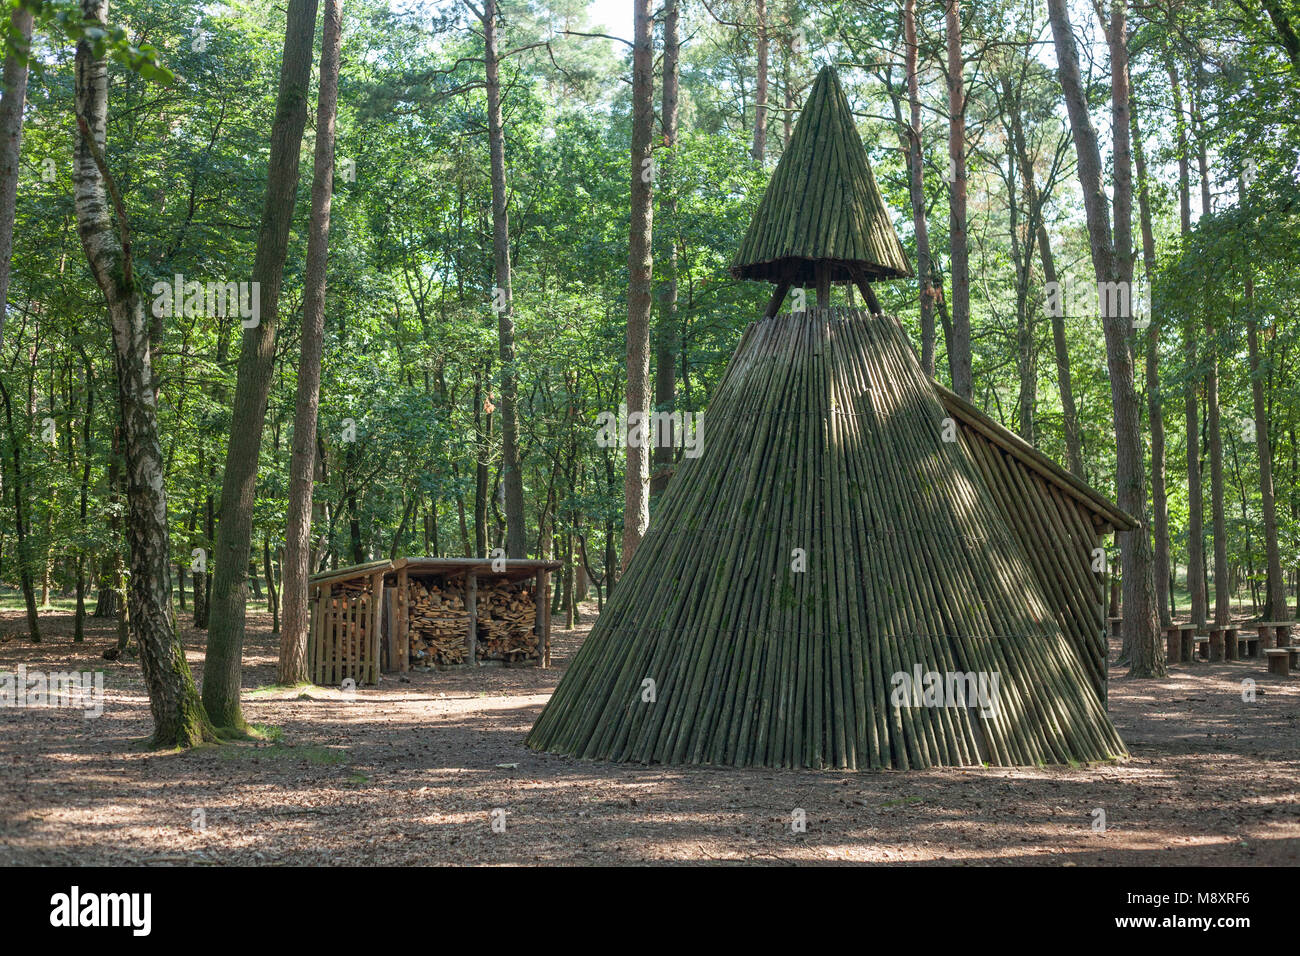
822, 204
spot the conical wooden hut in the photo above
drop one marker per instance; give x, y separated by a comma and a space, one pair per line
852, 545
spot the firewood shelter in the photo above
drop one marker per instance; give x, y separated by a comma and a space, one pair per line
428, 613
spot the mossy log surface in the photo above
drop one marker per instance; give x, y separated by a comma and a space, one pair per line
826, 443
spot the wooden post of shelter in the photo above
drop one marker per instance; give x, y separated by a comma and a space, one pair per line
471, 605
403, 662
376, 626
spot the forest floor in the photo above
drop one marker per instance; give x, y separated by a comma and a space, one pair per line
411, 772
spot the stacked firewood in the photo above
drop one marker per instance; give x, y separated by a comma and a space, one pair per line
507, 615
439, 623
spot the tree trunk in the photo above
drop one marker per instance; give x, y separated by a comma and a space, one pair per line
11, 139
916, 190
1155, 401
18, 484
502, 300
268, 568
179, 720
759, 148
296, 568
1275, 593
640, 261
11, 134
1222, 593
959, 358
666, 343
223, 663
1112, 262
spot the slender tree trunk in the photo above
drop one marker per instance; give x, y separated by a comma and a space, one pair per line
1155, 401
179, 719
666, 339
18, 485
512, 476
11, 139
1222, 592
268, 568
11, 134
640, 260
1275, 593
959, 358
1112, 262
759, 148
302, 466
916, 190
1180, 131
224, 660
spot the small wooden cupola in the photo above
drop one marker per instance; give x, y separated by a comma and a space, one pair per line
822, 220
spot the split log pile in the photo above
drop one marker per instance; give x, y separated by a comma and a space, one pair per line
507, 615
439, 623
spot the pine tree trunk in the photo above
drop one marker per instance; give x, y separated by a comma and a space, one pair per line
512, 476
666, 344
959, 358
302, 466
179, 720
1155, 401
1112, 263
229, 598
759, 148
1222, 591
11, 138
1275, 593
916, 190
11, 134
636, 498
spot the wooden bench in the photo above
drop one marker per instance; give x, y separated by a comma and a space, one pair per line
1201, 651
1250, 643
1274, 633
1178, 642
1115, 624
1279, 660
1223, 643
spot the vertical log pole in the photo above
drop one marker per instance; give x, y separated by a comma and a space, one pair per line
546, 629
539, 626
403, 621
313, 634
376, 624
471, 604
823, 278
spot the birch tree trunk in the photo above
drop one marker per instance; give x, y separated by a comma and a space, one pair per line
302, 465
640, 262
1113, 263
179, 719
959, 358
223, 663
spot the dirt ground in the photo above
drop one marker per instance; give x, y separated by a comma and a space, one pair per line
411, 772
